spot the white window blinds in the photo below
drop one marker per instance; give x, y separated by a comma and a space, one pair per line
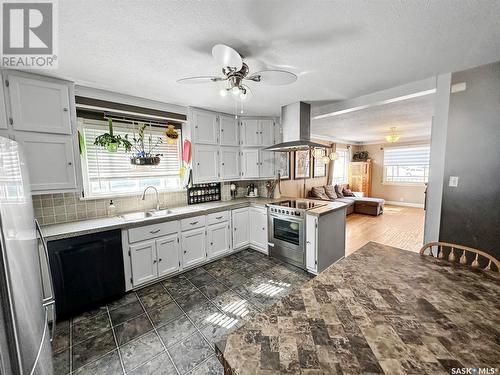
107, 173
406, 164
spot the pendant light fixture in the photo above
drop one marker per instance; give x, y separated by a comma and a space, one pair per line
393, 137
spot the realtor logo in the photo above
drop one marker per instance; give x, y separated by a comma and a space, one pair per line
28, 35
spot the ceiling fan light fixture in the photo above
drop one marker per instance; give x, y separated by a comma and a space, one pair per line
235, 90
223, 92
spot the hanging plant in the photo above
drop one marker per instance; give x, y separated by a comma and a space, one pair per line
145, 147
111, 141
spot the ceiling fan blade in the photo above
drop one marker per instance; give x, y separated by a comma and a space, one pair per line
273, 77
201, 79
227, 57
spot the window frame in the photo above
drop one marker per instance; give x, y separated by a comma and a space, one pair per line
87, 195
403, 183
345, 167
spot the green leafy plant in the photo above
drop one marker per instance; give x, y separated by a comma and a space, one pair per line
145, 146
111, 141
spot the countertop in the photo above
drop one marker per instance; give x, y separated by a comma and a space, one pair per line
380, 310
82, 227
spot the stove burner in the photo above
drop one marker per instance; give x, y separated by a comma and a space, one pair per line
299, 204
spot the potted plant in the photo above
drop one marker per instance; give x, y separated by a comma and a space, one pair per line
111, 141
144, 150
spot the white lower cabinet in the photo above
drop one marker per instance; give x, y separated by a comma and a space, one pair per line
143, 258
194, 249
167, 250
258, 228
218, 239
241, 233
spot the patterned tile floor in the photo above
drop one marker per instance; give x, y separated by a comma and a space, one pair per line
171, 327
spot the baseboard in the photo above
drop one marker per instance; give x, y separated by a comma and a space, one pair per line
405, 204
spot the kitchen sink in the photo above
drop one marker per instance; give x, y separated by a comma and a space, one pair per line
145, 215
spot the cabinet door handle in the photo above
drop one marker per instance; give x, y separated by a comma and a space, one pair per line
70, 163
154, 231
308, 242
211, 244
159, 260
194, 223
185, 251
65, 109
263, 228
219, 217
154, 261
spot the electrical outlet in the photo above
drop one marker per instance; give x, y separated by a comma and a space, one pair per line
453, 181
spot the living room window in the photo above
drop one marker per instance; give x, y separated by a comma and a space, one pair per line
406, 165
111, 173
341, 167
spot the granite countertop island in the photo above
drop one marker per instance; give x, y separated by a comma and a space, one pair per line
380, 310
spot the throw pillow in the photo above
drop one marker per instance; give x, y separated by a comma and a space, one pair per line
347, 192
330, 191
319, 192
338, 190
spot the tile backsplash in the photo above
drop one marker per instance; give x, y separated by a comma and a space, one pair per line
66, 207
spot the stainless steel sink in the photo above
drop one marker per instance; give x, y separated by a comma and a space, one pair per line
145, 215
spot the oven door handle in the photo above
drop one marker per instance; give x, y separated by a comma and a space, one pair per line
286, 218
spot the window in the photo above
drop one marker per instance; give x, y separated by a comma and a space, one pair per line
406, 165
111, 174
341, 167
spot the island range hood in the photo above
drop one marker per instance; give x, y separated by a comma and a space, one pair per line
296, 123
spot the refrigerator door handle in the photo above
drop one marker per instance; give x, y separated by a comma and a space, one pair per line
52, 326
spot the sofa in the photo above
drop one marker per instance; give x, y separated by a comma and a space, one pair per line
342, 193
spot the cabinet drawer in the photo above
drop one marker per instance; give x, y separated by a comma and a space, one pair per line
151, 231
217, 217
193, 222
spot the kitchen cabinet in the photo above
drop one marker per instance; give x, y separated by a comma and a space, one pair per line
258, 228
218, 239
193, 247
39, 104
250, 163
168, 254
206, 160
51, 160
267, 164
241, 233
311, 241
257, 132
229, 163
229, 131
205, 125
267, 132
143, 258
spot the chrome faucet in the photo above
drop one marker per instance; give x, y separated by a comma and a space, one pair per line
157, 199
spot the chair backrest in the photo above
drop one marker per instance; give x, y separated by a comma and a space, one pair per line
450, 252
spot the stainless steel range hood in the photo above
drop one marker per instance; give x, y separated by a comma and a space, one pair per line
296, 122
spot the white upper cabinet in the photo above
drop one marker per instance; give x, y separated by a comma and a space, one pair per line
206, 163
229, 131
250, 163
40, 105
168, 253
250, 132
241, 235
50, 160
258, 227
229, 163
143, 258
193, 247
3, 109
205, 127
267, 164
218, 239
267, 132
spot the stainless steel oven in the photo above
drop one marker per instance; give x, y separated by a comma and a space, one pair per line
287, 236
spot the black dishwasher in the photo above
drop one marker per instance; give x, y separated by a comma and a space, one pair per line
87, 271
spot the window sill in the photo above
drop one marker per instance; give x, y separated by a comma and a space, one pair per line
128, 195
404, 184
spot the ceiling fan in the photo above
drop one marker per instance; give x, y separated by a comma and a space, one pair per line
235, 71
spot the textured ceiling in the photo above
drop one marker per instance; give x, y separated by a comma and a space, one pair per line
412, 119
339, 49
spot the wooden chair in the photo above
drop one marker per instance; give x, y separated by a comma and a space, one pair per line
456, 250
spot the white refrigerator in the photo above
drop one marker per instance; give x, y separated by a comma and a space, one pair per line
25, 309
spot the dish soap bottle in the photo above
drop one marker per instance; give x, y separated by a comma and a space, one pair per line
111, 209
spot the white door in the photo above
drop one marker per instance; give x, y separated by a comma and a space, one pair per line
250, 163
193, 247
267, 164
143, 259
241, 233
50, 159
206, 163
250, 130
3, 109
205, 127
229, 163
168, 254
258, 228
39, 105
229, 132
311, 235
218, 239
267, 132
